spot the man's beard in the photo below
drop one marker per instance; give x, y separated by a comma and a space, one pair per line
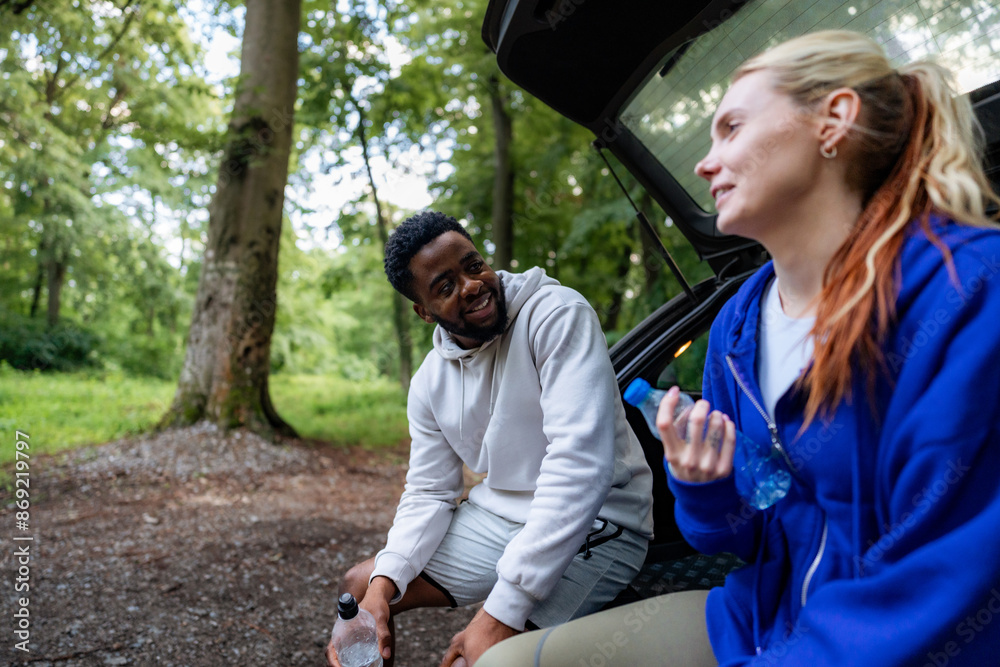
477, 333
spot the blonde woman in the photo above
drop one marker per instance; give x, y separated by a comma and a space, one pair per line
868, 350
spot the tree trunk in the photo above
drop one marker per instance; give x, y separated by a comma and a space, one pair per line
36, 294
503, 179
225, 373
400, 311
56, 278
652, 262
614, 310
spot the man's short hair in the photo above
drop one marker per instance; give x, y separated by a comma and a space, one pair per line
407, 240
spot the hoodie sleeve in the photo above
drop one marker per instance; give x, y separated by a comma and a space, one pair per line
579, 399
712, 516
434, 483
927, 590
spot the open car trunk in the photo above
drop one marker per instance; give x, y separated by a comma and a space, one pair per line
645, 78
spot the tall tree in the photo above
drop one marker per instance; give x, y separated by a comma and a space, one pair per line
345, 106
502, 216
400, 315
225, 373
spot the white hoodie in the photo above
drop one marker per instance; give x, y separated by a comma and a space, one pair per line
538, 410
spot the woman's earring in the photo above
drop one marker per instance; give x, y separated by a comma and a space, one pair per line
828, 153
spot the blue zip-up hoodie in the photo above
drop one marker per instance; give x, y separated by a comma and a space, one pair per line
886, 550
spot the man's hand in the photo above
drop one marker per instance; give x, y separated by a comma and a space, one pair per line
376, 602
482, 632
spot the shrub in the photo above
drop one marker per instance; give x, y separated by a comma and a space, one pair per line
29, 344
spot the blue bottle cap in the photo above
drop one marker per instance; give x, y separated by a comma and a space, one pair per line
636, 392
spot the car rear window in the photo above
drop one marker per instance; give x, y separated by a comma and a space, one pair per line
671, 113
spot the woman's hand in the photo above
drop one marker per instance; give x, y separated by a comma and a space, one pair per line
706, 455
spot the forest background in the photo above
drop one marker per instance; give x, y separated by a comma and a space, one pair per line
143, 285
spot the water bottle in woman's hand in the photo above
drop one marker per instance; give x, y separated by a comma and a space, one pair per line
643, 396
762, 477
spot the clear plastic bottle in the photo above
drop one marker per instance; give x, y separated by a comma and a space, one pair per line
354, 638
762, 476
643, 396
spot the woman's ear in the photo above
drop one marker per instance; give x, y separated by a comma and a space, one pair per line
838, 112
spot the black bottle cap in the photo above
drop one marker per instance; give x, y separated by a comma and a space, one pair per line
347, 607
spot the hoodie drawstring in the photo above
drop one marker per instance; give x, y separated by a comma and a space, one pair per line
494, 381
461, 412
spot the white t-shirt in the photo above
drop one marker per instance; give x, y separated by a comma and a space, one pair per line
785, 348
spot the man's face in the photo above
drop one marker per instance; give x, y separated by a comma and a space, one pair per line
457, 289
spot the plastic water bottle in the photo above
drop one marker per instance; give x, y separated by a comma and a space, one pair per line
354, 638
643, 396
762, 477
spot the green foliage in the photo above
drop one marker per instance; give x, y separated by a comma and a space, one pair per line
28, 344
569, 215
105, 121
334, 314
143, 355
107, 131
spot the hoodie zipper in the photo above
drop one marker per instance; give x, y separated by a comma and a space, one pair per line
772, 428
776, 441
815, 564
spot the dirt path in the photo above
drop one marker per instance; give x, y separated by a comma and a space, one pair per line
189, 548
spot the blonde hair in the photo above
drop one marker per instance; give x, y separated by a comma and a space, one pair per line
914, 150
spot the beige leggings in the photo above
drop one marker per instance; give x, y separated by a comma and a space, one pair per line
667, 631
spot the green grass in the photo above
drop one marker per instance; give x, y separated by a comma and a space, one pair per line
64, 410
60, 411
370, 413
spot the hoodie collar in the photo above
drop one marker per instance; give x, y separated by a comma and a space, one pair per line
744, 324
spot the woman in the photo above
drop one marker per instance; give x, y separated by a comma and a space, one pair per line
868, 347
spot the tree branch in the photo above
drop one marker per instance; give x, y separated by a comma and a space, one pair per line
16, 6
108, 121
111, 47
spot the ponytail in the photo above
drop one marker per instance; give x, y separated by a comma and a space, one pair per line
916, 155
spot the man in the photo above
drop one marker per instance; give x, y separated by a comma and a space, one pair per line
519, 386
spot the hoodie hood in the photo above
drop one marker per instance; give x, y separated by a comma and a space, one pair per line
517, 289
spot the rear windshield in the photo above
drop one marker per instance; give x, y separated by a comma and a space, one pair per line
672, 112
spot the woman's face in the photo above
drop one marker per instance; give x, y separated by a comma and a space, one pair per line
764, 160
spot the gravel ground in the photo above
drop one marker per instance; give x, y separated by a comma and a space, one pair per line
193, 547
